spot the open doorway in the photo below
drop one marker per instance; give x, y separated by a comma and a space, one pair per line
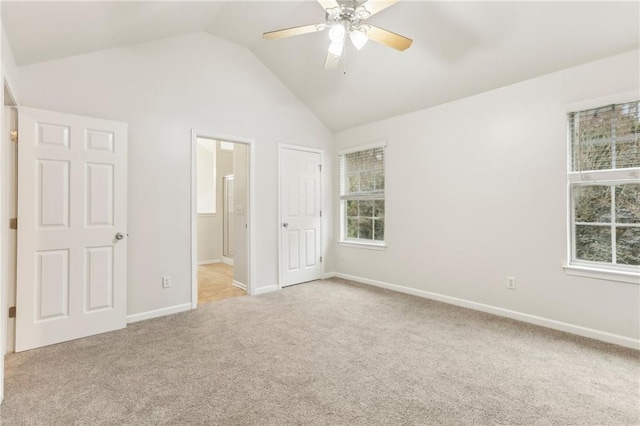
221, 219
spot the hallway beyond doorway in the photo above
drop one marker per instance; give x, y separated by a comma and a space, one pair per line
215, 282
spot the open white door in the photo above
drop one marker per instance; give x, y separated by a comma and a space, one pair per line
72, 223
301, 220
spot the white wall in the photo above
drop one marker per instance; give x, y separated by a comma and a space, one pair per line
476, 191
209, 239
163, 89
10, 71
206, 175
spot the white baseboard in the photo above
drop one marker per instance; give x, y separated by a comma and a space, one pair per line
328, 275
239, 285
227, 260
532, 319
208, 262
263, 290
158, 313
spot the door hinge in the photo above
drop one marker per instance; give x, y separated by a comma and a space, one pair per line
320, 167
320, 213
320, 259
13, 223
12, 312
14, 136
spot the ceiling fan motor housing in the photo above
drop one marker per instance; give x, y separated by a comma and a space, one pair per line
349, 13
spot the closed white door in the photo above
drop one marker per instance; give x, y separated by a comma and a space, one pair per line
72, 224
300, 216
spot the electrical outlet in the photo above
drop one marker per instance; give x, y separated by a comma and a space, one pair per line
166, 282
511, 283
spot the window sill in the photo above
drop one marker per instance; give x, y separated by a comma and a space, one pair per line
363, 245
603, 274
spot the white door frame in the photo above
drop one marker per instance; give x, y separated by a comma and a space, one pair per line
4, 255
194, 208
282, 146
8, 250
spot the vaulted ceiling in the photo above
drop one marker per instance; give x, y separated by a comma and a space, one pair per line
459, 49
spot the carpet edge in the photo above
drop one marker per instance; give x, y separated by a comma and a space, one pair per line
604, 336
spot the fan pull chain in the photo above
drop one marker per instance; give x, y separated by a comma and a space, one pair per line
344, 72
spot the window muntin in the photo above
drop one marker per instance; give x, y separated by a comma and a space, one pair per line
362, 204
604, 187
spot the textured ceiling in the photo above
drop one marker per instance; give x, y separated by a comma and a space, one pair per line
460, 48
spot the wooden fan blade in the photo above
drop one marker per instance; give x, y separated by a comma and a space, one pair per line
328, 4
333, 59
388, 38
375, 6
289, 32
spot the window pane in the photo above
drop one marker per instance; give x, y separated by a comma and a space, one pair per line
627, 119
606, 137
352, 208
628, 203
627, 130
366, 182
352, 228
594, 131
379, 229
365, 229
366, 208
353, 183
379, 181
592, 203
594, 156
379, 208
363, 170
377, 162
593, 243
628, 155
361, 187
628, 245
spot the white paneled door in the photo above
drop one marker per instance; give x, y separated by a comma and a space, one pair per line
300, 216
72, 224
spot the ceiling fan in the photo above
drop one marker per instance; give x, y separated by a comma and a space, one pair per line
345, 18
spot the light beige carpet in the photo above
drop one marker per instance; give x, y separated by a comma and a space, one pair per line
325, 353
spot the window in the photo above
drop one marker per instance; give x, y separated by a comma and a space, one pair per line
206, 174
362, 195
604, 188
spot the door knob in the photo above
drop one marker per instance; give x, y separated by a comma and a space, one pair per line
119, 236
285, 225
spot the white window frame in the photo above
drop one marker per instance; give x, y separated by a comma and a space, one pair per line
612, 177
354, 242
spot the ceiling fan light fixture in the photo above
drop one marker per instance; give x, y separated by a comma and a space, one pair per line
342, 18
362, 13
335, 48
358, 38
337, 33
